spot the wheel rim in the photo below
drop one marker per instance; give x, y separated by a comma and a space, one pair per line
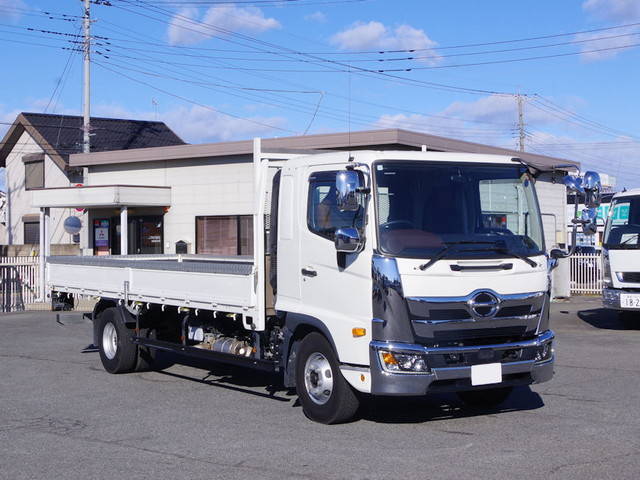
110, 341
318, 378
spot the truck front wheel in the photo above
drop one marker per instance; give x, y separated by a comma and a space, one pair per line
491, 397
325, 395
117, 353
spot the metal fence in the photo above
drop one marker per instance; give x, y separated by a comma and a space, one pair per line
586, 273
18, 282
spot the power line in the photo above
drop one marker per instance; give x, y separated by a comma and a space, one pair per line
194, 102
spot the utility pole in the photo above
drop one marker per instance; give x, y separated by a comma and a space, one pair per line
521, 121
86, 98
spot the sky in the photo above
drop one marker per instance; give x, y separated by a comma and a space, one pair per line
218, 70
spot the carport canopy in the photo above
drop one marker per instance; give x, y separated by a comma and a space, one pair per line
98, 196
94, 196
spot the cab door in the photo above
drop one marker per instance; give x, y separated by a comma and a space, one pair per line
334, 290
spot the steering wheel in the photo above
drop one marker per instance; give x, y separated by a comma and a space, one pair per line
396, 224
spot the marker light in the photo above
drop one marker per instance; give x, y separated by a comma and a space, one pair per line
358, 332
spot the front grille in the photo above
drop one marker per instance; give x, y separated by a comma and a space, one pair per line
497, 334
514, 311
436, 320
631, 277
449, 314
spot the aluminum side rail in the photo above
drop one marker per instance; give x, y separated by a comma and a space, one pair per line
208, 283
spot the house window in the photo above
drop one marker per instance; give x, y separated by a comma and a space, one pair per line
225, 235
31, 232
33, 174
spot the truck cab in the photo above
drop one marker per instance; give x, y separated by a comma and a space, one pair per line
431, 276
621, 256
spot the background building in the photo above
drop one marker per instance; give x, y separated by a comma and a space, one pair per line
188, 194
35, 153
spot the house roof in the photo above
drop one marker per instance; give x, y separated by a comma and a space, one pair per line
386, 139
61, 135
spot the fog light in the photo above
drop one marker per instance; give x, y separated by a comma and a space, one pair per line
544, 352
403, 362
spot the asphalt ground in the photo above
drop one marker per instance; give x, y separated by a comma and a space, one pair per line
63, 417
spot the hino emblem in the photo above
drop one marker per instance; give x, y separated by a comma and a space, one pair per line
484, 304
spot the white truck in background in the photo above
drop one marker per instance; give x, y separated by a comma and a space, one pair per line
382, 273
621, 257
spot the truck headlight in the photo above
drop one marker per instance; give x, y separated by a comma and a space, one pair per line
403, 362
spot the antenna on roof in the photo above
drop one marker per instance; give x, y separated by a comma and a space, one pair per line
154, 102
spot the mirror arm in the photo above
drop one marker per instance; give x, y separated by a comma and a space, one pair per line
574, 231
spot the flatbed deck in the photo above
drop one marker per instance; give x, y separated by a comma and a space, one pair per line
192, 281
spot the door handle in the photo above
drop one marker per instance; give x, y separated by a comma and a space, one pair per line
309, 272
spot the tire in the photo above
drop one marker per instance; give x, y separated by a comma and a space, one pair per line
117, 353
491, 397
316, 367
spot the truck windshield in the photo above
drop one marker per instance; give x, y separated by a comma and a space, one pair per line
623, 224
423, 208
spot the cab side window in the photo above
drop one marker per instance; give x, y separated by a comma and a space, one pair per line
323, 215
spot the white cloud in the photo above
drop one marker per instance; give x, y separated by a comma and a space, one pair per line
198, 124
317, 17
498, 109
491, 120
621, 11
613, 10
9, 9
375, 35
618, 45
187, 28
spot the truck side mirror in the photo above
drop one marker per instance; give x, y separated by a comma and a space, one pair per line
347, 240
348, 184
573, 183
592, 190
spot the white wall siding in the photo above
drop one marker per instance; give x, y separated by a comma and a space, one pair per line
19, 199
221, 186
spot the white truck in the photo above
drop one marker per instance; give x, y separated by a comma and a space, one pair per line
374, 273
620, 258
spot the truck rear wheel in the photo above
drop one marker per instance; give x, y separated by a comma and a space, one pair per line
325, 395
117, 353
491, 397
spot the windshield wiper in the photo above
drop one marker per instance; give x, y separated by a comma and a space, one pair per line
499, 247
505, 250
449, 245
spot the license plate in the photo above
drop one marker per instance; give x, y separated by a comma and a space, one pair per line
486, 374
629, 300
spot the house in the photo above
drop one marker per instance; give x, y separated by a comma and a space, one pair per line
199, 198
35, 152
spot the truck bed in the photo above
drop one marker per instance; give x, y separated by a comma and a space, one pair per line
193, 281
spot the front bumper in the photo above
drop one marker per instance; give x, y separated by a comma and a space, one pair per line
611, 298
524, 370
